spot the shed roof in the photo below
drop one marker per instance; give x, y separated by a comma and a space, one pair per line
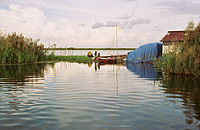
173, 36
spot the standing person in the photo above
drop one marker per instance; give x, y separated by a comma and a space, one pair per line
95, 55
99, 56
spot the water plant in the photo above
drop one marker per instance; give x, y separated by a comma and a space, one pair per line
17, 49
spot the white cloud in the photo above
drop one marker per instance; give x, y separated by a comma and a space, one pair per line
129, 0
123, 24
126, 16
180, 7
139, 21
27, 20
112, 23
72, 23
33, 23
98, 24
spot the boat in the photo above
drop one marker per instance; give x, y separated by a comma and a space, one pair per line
109, 60
113, 59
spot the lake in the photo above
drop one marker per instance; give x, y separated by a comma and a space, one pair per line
84, 52
71, 96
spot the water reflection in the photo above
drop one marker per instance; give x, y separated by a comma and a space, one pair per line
97, 65
75, 96
144, 71
182, 91
20, 75
188, 89
114, 69
17, 84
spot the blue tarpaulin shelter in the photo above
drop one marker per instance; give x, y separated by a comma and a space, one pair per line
145, 53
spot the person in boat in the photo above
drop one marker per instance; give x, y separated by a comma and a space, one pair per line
89, 54
99, 56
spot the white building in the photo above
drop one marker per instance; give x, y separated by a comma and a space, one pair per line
172, 41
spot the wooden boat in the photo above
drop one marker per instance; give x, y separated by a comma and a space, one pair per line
108, 60
113, 59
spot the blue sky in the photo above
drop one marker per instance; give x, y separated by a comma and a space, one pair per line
91, 23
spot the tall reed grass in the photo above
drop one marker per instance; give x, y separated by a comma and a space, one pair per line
15, 49
187, 61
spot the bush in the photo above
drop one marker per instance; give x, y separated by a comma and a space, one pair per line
17, 49
187, 61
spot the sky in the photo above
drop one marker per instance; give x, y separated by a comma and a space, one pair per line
92, 23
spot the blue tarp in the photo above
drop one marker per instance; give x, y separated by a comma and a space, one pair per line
145, 53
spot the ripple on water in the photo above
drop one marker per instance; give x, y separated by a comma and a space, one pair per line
74, 96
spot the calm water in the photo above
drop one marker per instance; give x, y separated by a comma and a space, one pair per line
84, 52
70, 96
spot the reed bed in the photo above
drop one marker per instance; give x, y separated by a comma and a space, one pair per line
187, 61
17, 49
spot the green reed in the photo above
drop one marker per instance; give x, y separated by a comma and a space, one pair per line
17, 49
77, 59
187, 61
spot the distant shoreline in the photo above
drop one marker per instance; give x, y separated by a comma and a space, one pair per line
71, 48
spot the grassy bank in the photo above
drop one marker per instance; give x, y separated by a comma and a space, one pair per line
187, 61
77, 59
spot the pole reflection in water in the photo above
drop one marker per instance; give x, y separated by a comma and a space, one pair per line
112, 68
